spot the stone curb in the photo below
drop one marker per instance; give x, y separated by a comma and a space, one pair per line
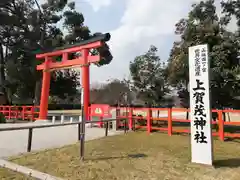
27, 171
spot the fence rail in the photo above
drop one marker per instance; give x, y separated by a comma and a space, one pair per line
30, 128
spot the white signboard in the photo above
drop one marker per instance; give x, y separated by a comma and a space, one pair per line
200, 115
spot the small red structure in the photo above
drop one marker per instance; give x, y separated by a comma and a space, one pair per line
101, 111
84, 61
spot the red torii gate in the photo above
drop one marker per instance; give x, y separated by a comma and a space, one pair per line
83, 61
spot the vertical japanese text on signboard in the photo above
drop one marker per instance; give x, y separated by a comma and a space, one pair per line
198, 96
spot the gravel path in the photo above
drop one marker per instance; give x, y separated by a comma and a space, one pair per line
15, 142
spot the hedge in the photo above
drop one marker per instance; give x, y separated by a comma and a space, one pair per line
2, 118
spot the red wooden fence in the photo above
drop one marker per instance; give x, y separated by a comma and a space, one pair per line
168, 121
29, 113
224, 128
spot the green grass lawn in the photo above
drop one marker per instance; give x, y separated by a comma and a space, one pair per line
136, 155
6, 174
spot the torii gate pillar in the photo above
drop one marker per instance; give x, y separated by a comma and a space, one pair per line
86, 84
45, 92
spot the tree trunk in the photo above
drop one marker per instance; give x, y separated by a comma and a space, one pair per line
37, 92
3, 94
38, 85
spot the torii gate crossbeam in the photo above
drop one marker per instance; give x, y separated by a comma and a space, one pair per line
83, 61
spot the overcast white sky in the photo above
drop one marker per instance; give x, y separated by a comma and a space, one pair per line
134, 25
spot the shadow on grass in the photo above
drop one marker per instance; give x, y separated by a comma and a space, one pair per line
231, 163
229, 139
132, 156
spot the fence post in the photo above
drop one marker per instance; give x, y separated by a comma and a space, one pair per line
23, 113
130, 125
29, 147
220, 125
53, 119
32, 112
62, 118
149, 117
134, 123
9, 111
89, 114
106, 129
117, 117
16, 111
114, 116
100, 124
12, 110
17, 116
125, 126
79, 129
170, 121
